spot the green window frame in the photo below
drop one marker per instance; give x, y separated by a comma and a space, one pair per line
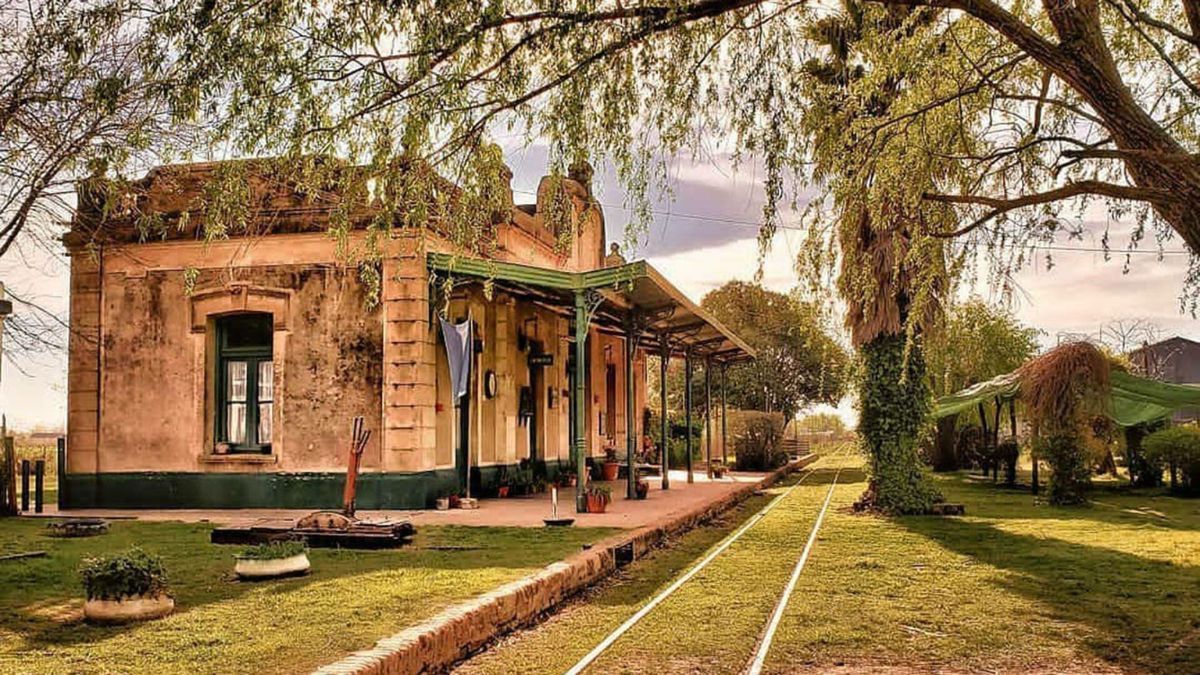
245, 382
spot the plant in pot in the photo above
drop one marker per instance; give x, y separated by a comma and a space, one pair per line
124, 587
642, 488
598, 497
504, 483
522, 481
611, 468
568, 476
271, 560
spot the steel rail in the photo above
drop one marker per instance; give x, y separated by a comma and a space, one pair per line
764, 644
612, 637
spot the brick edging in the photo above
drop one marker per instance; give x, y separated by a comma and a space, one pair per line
460, 630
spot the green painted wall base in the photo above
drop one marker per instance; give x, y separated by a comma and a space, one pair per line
183, 490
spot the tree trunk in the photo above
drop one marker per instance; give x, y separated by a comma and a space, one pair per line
946, 444
894, 400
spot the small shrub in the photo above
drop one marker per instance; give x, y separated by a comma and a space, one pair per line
274, 550
1007, 454
120, 575
1071, 474
756, 440
1179, 448
602, 491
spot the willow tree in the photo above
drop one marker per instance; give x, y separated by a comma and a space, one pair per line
934, 129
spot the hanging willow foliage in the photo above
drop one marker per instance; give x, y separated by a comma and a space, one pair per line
1064, 391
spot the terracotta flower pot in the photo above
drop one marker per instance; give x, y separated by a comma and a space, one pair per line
253, 568
128, 609
596, 504
610, 470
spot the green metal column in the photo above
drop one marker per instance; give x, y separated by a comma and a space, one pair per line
630, 426
708, 416
687, 411
664, 445
724, 415
579, 443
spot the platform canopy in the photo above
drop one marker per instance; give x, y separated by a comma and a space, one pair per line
1135, 400
634, 292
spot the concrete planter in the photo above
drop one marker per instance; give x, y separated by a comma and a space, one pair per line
253, 568
128, 609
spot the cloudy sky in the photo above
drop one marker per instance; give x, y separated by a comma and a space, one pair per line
702, 237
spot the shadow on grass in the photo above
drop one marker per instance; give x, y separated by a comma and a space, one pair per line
1146, 613
1112, 504
41, 598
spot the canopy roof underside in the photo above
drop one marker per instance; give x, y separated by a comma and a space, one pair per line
634, 292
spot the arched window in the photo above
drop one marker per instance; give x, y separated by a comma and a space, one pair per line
245, 382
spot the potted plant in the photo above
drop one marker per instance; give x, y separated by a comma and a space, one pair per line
611, 468
598, 497
442, 503
642, 488
504, 483
568, 476
522, 481
273, 559
124, 587
455, 501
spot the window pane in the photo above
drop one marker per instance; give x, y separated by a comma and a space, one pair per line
235, 416
266, 381
247, 330
235, 378
264, 423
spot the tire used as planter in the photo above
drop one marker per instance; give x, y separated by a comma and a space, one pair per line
253, 568
128, 609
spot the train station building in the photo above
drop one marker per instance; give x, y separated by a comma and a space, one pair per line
224, 372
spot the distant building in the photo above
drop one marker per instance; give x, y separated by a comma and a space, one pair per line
1175, 360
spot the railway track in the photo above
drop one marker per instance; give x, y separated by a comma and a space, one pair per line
766, 637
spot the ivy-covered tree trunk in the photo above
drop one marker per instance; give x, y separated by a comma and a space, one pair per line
894, 400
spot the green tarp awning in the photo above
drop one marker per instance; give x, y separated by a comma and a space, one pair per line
1134, 399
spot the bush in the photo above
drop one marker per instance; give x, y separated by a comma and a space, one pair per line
1178, 448
275, 550
1070, 466
756, 437
121, 575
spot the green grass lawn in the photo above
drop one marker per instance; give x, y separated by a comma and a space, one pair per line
1014, 586
351, 599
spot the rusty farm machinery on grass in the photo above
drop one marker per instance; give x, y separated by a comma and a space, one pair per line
330, 529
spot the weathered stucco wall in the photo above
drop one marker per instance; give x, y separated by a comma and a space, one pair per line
157, 364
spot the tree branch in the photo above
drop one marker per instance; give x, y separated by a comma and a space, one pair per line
1001, 206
